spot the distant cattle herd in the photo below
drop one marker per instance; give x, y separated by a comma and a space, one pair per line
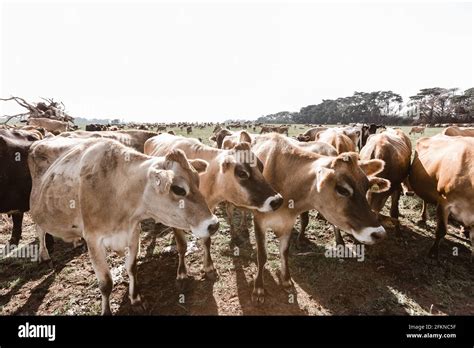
95, 186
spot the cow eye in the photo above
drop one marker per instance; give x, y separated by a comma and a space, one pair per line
342, 191
242, 174
177, 190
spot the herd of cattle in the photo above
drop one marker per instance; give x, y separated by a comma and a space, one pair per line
95, 187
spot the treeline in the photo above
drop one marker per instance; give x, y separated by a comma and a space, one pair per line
429, 105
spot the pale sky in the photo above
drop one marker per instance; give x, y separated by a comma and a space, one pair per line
211, 61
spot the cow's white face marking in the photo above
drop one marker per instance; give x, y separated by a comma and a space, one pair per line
370, 235
202, 230
266, 207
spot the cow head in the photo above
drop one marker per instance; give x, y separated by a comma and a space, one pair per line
343, 183
242, 181
173, 196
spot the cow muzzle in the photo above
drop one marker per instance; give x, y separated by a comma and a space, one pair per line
271, 204
206, 228
370, 235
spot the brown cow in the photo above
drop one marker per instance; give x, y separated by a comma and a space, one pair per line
310, 134
442, 173
456, 131
232, 176
417, 129
54, 126
394, 148
132, 138
335, 186
338, 139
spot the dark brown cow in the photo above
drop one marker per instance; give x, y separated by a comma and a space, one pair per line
15, 179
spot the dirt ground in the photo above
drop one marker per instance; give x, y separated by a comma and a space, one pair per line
395, 276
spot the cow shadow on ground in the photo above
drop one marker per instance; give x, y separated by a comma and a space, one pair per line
157, 285
20, 272
395, 278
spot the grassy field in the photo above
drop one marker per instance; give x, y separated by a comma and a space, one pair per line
394, 278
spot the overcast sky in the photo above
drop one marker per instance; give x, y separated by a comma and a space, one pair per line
214, 61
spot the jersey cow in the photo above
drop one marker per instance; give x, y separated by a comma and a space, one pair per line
335, 186
456, 131
394, 148
132, 138
233, 176
100, 190
442, 173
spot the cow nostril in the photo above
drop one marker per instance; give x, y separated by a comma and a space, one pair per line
376, 235
276, 203
213, 228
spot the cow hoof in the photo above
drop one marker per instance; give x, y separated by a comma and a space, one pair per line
139, 304
288, 286
211, 275
182, 283
14, 241
258, 296
421, 223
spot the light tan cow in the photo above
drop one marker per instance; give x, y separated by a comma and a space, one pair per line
233, 176
53, 126
310, 134
442, 173
100, 190
417, 129
133, 138
335, 186
338, 139
457, 131
320, 148
394, 148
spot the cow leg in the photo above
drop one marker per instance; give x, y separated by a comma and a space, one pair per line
17, 219
208, 265
337, 235
244, 230
102, 272
302, 239
182, 246
394, 211
441, 228
229, 207
258, 295
286, 281
131, 264
43, 251
424, 214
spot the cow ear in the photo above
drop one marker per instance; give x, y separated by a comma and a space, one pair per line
212, 138
161, 180
377, 185
199, 164
245, 137
372, 167
226, 163
323, 175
